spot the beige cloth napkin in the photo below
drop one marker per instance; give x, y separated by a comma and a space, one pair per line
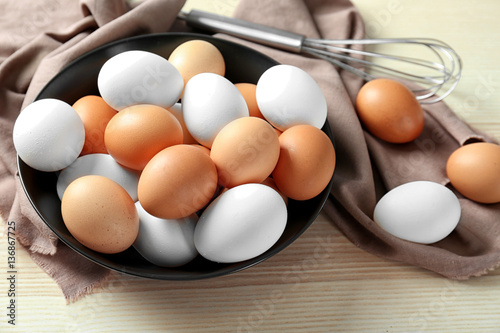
367, 167
36, 41
42, 38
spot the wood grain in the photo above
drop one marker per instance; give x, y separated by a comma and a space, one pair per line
322, 282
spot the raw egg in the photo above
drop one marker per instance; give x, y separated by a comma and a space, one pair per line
95, 114
249, 93
289, 96
421, 211
100, 214
306, 162
139, 77
102, 165
241, 223
177, 182
48, 135
135, 134
195, 57
474, 171
209, 103
245, 151
390, 111
166, 243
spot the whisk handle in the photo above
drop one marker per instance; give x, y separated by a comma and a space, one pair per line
258, 33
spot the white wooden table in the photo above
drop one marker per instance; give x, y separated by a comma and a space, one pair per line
344, 290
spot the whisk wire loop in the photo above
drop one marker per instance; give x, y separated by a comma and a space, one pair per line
441, 74
431, 80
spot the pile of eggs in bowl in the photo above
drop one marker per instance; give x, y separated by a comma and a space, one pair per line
177, 161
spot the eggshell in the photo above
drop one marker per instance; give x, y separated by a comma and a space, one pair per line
195, 57
245, 151
421, 211
249, 93
176, 110
390, 111
95, 114
474, 171
270, 182
240, 224
100, 214
48, 135
102, 165
138, 132
202, 148
289, 96
210, 102
306, 163
177, 182
139, 77
166, 243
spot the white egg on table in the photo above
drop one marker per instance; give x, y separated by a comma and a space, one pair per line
100, 165
420, 211
210, 102
241, 223
139, 77
48, 135
289, 96
166, 243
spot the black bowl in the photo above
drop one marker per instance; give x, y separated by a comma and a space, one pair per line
78, 79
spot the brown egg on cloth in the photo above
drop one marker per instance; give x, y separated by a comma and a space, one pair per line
474, 171
390, 111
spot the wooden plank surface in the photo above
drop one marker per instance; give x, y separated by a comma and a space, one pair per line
321, 282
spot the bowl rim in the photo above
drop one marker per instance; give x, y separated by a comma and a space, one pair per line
228, 268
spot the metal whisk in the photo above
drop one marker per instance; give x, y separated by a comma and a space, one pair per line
435, 77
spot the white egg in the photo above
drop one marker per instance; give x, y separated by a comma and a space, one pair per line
166, 243
241, 223
48, 135
288, 96
139, 77
100, 165
421, 211
211, 101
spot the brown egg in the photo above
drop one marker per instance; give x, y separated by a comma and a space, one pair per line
177, 182
248, 91
138, 132
195, 57
474, 171
245, 151
390, 111
100, 214
95, 114
306, 163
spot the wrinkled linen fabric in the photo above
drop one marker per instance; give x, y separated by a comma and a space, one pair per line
36, 42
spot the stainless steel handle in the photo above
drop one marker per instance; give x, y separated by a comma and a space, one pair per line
258, 33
